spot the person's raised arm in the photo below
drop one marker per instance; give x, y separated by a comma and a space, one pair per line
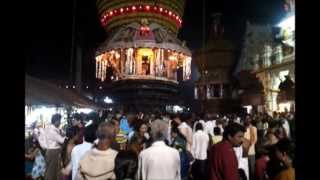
57, 137
67, 170
33, 154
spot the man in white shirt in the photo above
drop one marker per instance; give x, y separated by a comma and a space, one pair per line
79, 150
185, 129
201, 120
159, 161
53, 146
210, 125
251, 135
286, 126
199, 149
198, 122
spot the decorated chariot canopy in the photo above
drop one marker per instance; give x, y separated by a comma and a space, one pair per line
142, 40
116, 13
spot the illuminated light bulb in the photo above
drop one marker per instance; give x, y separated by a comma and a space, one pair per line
74, 87
155, 8
177, 18
170, 13
111, 13
67, 87
147, 7
140, 7
161, 9
288, 23
117, 55
171, 58
166, 11
87, 87
100, 87
115, 11
121, 10
133, 8
127, 9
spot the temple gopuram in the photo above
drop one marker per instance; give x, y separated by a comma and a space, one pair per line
268, 54
143, 51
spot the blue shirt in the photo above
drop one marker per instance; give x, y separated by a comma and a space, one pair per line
124, 126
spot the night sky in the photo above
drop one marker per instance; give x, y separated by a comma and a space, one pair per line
49, 30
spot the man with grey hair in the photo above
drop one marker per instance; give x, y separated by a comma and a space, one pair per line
98, 163
159, 161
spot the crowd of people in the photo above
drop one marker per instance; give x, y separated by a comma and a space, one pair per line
186, 146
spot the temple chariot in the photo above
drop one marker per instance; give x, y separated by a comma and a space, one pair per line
143, 51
